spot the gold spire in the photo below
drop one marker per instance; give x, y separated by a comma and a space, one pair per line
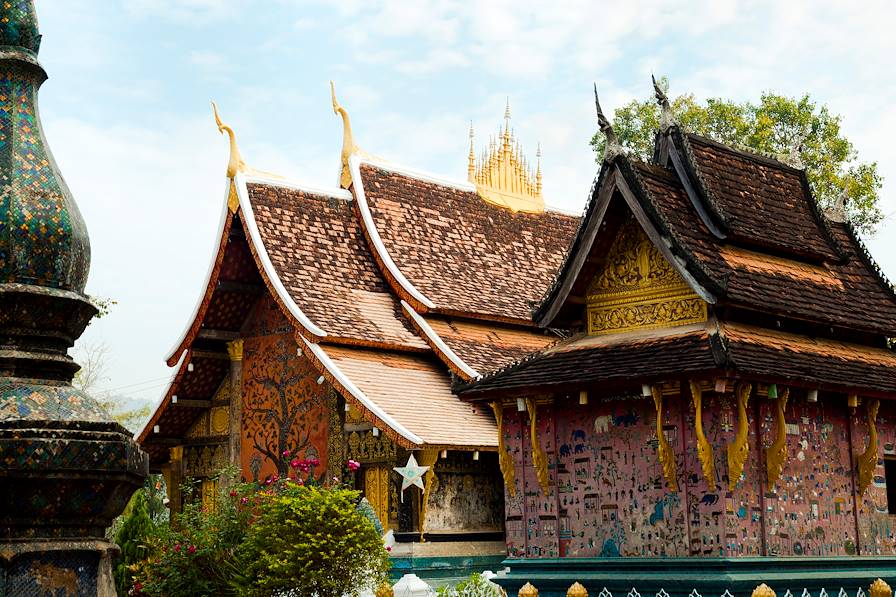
348, 140
502, 174
236, 163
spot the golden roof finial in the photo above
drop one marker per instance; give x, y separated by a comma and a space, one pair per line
348, 140
471, 166
502, 174
236, 163
538, 170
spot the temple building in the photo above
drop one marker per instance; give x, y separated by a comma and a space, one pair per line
722, 410
333, 323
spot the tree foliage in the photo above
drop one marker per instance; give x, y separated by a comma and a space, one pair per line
131, 538
312, 541
774, 125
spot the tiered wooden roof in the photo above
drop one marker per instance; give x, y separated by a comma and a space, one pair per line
391, 287
792, 295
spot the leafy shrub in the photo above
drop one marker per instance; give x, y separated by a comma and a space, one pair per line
131, 537
475, 586
309, 540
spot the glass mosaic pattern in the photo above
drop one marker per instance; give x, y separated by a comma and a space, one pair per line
18, 25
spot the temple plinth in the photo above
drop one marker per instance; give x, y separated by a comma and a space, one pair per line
68, 470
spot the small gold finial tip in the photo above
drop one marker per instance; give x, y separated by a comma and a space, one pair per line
333, 98
217, 117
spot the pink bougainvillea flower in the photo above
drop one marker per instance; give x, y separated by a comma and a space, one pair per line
192, 549
232, 493
286, 453
353, 465
244, 500
388, 548
295, 463
267, 481
177, 547
313, 461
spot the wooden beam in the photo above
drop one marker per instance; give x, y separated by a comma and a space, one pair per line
209, 354
228, 286
187, 403
223, 335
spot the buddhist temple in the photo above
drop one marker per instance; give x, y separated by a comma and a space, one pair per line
333, 323
722, 408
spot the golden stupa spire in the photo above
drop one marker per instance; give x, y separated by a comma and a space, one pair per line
502, 174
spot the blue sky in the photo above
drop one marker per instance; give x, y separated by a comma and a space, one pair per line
126, 108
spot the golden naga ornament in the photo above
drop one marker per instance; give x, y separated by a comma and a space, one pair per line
502, 175
739, 449
866, 462
539, 457
704, 448
428, 459
664, 449
776, 454
505, 461
348, 140
879, 588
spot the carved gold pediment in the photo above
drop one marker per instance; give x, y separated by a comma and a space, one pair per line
638, 289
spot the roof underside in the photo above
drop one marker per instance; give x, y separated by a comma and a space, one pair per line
464, 254
739, 349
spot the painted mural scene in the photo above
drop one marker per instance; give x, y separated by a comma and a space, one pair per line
634, 338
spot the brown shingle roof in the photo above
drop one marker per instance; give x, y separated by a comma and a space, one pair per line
320, 255
462, 253
763, 202
416, 392
846, 294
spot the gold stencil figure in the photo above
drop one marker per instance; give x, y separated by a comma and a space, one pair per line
739, 449
539, 457
505, 461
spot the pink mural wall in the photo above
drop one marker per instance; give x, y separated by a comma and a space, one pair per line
608, 498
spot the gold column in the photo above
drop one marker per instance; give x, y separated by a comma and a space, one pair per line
739, 449
174, 479
430, 483
664, 450
235, 350
539, 457
866, 462
776, 454
505, 461
704, 448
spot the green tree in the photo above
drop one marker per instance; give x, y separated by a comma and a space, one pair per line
131, 538
312, 541
775, 125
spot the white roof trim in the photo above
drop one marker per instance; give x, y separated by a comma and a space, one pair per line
360, 396
297, 185
269, 270
354, 165
225, 213
158, 405
437, 340
419, 174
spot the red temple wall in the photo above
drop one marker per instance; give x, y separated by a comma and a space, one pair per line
284, 408
608, 498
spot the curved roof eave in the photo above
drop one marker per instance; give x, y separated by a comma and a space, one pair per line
436, 343
224, 223
373, 234
180, 367
268, 270
410, 438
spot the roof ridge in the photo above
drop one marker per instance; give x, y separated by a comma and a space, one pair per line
865, 255
419, 174
298, 185
752, 153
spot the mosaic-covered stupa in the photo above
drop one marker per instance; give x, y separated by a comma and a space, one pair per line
66, 470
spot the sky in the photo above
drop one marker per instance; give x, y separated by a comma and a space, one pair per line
127, 115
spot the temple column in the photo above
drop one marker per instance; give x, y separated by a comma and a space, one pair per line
174, 479
235, 350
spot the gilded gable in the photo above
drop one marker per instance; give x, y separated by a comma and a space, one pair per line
638, 289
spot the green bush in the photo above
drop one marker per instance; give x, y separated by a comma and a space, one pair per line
131, 538
311, 541
475, 586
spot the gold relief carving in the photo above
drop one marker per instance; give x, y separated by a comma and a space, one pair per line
664, 450
763, 590
539, 458
527, 590
576, 590
505, 461
704, 448
739, 448
638, 288
393, 495
363, 446
376, 490
866, 462
209, 495
776, 454
220, 420
879, 588
176, 453
205, 460
199, 428
235, 349
430, 483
